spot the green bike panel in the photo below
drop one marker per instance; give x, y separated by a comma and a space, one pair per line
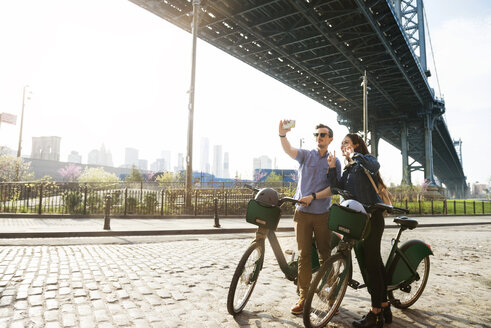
263, 216
347, 222
415, 251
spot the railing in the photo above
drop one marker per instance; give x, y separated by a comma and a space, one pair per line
446, 207
169, 199
126, 199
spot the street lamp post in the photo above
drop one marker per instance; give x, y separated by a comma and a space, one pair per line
19, 148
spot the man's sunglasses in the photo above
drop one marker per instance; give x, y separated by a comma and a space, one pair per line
323, 134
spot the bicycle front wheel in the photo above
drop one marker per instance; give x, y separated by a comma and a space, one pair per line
326, 292
245, 277
408, 294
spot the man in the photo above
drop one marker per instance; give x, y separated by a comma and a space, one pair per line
311, 217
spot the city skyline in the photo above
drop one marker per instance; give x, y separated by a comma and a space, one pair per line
92, 81
103, 157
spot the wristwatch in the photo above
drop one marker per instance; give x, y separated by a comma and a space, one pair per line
314, 195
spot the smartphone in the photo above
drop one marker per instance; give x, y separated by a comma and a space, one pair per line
289, 124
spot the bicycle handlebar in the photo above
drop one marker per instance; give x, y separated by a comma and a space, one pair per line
344, 193
251, 187
389, 208
400, 209
287, 199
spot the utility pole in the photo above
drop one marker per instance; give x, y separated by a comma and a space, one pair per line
365, 106
19, 148
189, 157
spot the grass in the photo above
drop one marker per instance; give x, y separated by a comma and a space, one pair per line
447, 207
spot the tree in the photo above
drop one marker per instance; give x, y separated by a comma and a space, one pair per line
166, 177
273, 177
135, 175
97, 175
9, 166
70, 172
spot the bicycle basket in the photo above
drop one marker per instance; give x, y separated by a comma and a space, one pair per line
263, 216
348, 222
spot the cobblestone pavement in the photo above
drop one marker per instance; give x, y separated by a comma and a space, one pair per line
183, 282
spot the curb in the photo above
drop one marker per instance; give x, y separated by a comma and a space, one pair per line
109, 233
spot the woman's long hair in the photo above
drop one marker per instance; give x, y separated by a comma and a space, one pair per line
363, 149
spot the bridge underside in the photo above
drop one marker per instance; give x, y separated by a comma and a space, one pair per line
321, 49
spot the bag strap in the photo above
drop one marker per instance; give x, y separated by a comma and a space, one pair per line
371, 180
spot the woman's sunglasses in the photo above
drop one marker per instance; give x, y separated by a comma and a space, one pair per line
323, 134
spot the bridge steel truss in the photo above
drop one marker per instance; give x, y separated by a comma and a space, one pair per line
321, 49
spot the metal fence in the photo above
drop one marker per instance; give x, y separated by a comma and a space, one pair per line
150, 198
126, 199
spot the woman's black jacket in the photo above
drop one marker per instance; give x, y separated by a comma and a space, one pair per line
355, 180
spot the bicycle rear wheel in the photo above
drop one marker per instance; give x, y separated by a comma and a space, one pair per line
245, 277
408, 294
326, 292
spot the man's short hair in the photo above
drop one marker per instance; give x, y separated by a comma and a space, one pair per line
320, 125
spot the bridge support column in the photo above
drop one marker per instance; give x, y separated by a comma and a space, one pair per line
429, 151
406, 173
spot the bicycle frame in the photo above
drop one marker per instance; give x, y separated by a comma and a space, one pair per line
290, 269
411, 253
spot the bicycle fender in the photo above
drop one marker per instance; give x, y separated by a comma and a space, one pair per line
415, 251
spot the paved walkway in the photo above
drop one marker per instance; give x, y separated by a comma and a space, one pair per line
86, 227
182, 281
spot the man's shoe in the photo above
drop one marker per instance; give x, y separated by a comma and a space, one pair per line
371, 320
298, 307
387, 314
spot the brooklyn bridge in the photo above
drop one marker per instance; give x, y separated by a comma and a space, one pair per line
325, 50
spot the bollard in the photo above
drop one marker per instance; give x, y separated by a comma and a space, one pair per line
107, 225
217, 223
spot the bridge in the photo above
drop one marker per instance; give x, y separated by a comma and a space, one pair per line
323, 48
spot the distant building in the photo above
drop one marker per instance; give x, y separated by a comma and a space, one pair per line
478, 189
226, 166
180, 162
263, 162
142, 164
166, 155
100, 157
130, 157
47, 148
159, 165
205, 155
74, 157
287, 176
217, 169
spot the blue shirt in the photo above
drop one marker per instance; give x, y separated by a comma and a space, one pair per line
312, 177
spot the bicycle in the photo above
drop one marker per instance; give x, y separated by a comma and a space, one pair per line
250, 265
407, 266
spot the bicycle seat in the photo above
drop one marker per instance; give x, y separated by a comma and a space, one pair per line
406, 222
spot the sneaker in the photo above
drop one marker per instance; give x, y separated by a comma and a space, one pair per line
298, 307
387, 314
371, 320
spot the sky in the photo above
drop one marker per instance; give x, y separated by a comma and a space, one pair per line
111, 73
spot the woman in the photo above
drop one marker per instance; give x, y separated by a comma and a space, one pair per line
356, 181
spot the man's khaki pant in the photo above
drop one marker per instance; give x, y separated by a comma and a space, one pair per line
305, 225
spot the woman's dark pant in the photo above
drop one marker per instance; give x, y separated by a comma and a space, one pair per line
373, 261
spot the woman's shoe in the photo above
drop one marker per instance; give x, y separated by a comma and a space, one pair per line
371, 320
387, 314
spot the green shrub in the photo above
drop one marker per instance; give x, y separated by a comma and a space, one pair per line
73, 200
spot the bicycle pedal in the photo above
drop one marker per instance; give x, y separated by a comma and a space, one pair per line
353, 284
